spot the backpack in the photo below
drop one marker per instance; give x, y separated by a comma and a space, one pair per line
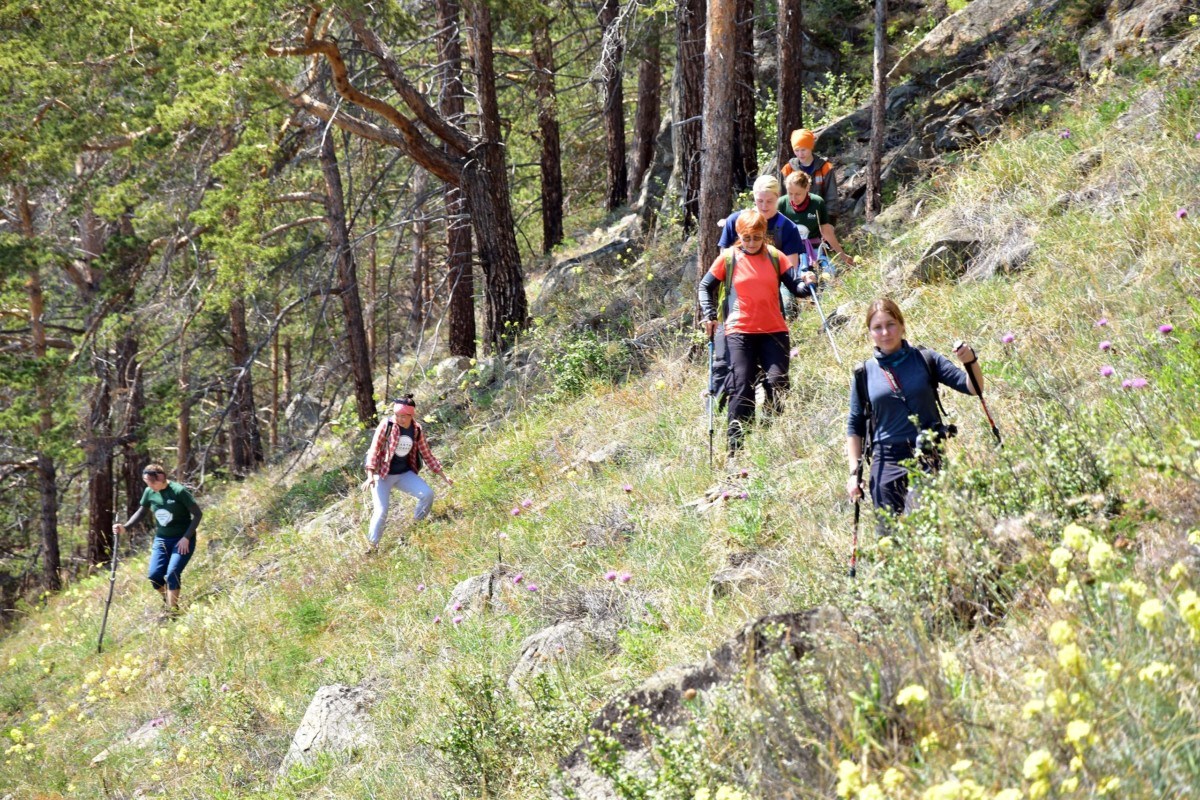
860, 383
730, 256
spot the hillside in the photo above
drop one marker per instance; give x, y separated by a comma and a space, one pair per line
1030, 632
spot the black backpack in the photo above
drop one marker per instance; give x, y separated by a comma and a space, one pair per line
860, 382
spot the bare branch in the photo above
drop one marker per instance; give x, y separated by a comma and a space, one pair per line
298, 197
287, 226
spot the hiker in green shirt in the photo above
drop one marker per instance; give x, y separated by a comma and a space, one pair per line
176, 517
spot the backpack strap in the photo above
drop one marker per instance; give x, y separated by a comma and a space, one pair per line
931, 370
864, 397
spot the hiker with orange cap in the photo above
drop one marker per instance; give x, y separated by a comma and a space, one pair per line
820, 170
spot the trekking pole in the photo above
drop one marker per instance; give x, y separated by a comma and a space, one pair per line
857, 508
824, 322
710, 401
112, 579
979, 394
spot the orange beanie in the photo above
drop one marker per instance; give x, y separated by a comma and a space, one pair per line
803, 137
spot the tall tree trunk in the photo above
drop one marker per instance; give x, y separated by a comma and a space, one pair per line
131, 391
874, 199
245, 443
690, 26
420, 254
343, 256
790, 107
183, 427
47, 485
649, 115
551, 155
745, 139
458, 230
98, 449
485, 191
715, 172
614, 105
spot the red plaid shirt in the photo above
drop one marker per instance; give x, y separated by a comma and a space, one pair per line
383, 447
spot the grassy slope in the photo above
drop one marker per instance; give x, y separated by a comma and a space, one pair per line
280, 607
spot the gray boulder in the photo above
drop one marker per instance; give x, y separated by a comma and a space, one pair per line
492, 590
947, 258
337, 720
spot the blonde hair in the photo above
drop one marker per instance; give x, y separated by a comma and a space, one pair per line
767, 183
887, 306
751, 221
798, 178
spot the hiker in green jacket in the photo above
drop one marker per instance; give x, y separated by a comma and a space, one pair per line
176, 517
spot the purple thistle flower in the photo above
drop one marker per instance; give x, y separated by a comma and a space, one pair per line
1065, 134
457, 620
420, 587
501, 535
520, 576
1008, 338
1106, 345
1181, 213
627, 488
794, 352
744, 495
724, 495
610, 576
1126, 384
526, 503
437, 620
516, 511
745, 473
625, 577
1166, 328
1139, 383
224, 687
1100, 323
1106, 371
1198, 136
531, 587
456, 607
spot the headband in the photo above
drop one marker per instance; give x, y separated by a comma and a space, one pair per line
405, 408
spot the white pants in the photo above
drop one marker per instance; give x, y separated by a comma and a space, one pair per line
407, 482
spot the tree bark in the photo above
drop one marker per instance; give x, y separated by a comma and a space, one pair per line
649, 115
874, 199
342, 252
183, 428
420, 256
790, 106
548, 132
130, 390
690, 26
715, 171
458, 230
98, 449
745, 139
245, 443
614, 106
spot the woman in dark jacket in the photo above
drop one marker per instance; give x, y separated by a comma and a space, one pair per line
898, 386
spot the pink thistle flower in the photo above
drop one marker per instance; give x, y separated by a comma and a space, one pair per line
1139, 383
516, 511
1182, 213
627, 488
224, 687
1166, 328
420, 587
1106, 345
625, 577
501, 535
724, 495
457, 620
520, 576
610, 576
794, 352
456, 607
1126, 384
1008, 338
744, 495
1100, 323
531, 587
1065, 134
526, 503
745, 473
1106, 371
1198, 136
437, 620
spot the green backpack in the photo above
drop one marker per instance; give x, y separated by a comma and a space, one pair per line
730, 256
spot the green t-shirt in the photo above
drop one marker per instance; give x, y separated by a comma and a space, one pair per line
812, 217
171, 509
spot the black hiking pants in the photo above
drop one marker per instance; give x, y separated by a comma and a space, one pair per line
889, 481
752, 357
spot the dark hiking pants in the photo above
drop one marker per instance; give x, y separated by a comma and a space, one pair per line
754, 356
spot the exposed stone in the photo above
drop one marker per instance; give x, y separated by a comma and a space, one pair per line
140, 738
565, 276
1128, 30
492, 590
614, 451
303, 414
558, 644
969, 26
732, 580
947, 258
337, 720
450, 368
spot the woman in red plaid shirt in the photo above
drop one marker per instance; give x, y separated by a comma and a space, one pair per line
398, 451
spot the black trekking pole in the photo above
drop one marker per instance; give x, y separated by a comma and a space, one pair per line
857, 508
812, 290
710, 401
979, 394
112, 579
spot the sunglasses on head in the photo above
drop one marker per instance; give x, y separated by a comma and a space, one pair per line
152, 472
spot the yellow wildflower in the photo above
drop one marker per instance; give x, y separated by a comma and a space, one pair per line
1101, 556
1060, 557
1009, 794
1069, 785
929, 741
1194, 539
871, 792
729, 793
1155, 670
1072, 590
1078, 732
1057, 596
1189, 609
1112, 667
1150, 614
1033, 708
849, 778
947, 790
1076, 537
1076, 764
1107, 785
912, 695
1070, 659
1061, 633
1035, 678
1038, 764
1178, 572
17, 735
892, 778
1039, 789
702, 794
962, 765
1132, 589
